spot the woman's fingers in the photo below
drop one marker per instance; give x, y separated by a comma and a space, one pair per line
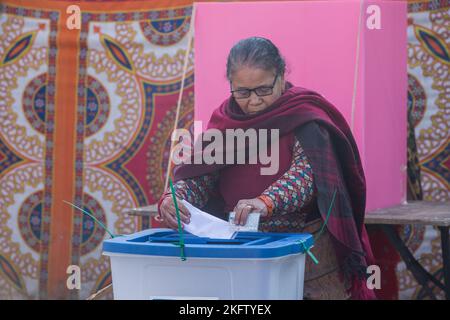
237, 212
242, 210
244, 215
168, 212
185, 215
172, 222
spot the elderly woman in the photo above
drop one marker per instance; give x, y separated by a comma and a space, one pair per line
319, 164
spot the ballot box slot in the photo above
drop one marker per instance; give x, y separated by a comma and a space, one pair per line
169, 237
241, 239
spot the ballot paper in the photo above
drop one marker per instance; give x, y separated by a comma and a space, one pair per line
251, 224
203, 224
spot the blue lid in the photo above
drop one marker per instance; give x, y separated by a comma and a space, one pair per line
164, 242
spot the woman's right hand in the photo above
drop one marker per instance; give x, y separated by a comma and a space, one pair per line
168, 213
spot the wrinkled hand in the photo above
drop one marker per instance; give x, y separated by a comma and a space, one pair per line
245, 206
169, 215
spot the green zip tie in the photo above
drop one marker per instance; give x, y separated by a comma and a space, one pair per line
328, 216
95, 219
308, 251
180, 231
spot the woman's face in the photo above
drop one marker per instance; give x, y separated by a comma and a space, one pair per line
251, 78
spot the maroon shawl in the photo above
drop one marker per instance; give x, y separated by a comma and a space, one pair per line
332, 152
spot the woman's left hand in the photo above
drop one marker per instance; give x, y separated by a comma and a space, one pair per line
245, 206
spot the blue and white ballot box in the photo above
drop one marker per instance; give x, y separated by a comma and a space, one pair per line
252, 265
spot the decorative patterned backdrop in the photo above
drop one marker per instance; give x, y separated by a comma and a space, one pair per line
85, 116
429, 108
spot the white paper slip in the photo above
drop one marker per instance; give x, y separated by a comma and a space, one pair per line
251, 224
203, 224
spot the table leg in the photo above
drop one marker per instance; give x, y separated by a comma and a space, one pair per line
422, 276
445, 259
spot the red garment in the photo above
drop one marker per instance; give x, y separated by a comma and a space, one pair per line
387, 258
231, 176
329, 145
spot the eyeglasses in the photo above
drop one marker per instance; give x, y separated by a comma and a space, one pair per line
260, 91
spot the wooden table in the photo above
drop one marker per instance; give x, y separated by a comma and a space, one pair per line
421, 213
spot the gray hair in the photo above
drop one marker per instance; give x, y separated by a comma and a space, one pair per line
255, 52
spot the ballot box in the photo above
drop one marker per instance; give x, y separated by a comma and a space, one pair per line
353, 53
252, 265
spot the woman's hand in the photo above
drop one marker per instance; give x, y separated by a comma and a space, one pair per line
169, 215
245, 206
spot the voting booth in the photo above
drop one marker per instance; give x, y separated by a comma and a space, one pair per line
352, 54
